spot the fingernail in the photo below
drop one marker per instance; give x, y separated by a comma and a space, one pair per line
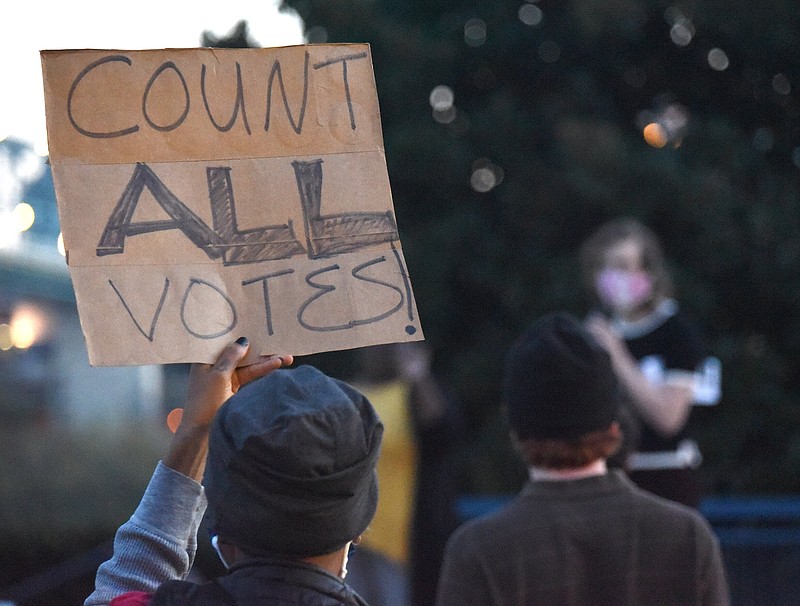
242, 341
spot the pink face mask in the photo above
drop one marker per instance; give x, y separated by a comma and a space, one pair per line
624, 291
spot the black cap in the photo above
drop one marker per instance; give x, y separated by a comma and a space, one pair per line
291, 465
558, 382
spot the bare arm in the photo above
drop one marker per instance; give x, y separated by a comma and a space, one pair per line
665, 406
210, 385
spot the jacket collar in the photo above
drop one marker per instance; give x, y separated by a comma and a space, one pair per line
613, 481
299, 574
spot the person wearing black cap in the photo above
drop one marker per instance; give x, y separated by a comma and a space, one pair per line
578, 533
287, 464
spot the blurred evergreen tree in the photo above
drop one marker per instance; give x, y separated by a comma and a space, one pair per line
544, 141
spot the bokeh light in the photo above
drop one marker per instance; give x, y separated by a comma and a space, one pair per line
475, 32
441, 98
718, 60
60, 245
666, 124
682, 32
485, 175
23, 216
674, 119
23, 331
530, 14
482, 180
317, 35
445, 116
655, 135
28, 325
682, 29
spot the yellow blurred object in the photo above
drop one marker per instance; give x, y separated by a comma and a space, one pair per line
389, 531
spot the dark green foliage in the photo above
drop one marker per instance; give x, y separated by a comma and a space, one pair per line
558, 106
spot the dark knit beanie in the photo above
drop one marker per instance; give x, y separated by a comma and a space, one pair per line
291, 465
559, 382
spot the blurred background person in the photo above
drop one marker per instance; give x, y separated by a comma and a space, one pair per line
657, 351
398, 560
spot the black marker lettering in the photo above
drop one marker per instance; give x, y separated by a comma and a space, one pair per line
119, 225
267, 243
406, 281
324, 289
265, 288
86, 70
193, 282
148, 335
386, 314
165, 66
343, 60
337, 233
238, 104
276, 71
327, 288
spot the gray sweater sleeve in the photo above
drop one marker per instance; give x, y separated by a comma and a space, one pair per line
158, 543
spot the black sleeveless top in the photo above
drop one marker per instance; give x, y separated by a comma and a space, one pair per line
678, 343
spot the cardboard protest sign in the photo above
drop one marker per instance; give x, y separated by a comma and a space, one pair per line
205, 194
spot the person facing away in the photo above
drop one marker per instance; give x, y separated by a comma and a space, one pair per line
287, 464
657, 352
578, 534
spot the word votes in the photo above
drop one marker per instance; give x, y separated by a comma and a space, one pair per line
325, 234
239, 105
208, 291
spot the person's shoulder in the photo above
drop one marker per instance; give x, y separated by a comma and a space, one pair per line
670, 512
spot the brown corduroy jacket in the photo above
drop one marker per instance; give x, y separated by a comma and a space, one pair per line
589, 542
